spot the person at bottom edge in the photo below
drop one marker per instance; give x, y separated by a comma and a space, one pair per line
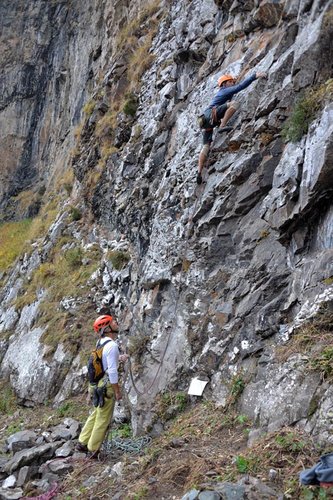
97, 424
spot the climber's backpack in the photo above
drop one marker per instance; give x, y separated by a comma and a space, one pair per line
95, 365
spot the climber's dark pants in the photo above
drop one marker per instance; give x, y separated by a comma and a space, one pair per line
208, 123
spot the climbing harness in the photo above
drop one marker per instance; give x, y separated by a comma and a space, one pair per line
214, 116
208, 119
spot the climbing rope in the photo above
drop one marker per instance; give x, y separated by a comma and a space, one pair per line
126, 445
198, 193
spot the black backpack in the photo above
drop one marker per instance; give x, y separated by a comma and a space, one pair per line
95, 365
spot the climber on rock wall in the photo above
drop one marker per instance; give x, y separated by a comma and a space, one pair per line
219, 113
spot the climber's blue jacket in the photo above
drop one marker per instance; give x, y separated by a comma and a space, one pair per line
226, 93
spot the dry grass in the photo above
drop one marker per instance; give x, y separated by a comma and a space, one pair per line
201, 446
287, 451
133, 43
78, 131
63, 275
141, 59
26, 199
108, 122
118, 258
46, 217
64, 181
266, 138
92, 179
315, 339
186, 264
137, 27
13, 237
89, 107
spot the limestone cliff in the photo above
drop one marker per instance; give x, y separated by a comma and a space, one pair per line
208, 280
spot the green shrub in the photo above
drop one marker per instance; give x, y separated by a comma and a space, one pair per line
170, 404
289, 442
242, 419
141, 493
118, 259
13, 428
65, 410
306, 110
68, 187
74, 257
75, 214
243, 464
123, 431
131, 105
237, 386
323, 362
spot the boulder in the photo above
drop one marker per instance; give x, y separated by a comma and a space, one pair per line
65, 450
9, 482
268, 13
30, 455
24, 474
10, 494
59, 467
191, 495
61, 432
21, 440
73, 425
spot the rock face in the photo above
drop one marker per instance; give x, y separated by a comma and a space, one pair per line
50, 55
218, 276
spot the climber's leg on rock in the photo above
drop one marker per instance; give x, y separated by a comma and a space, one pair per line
203, 157
232, 107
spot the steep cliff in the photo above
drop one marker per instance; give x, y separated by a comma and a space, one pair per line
207, 281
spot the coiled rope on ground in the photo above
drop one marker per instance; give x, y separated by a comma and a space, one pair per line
127, 445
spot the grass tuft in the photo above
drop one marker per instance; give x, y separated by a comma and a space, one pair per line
171, 404
131, 105
306, 110
118, 259
8, 403
75, 214
89, 107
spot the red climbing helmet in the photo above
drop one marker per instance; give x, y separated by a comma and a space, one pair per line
224, 78
102, 322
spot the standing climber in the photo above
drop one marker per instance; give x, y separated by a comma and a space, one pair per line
106, 391
219, 113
